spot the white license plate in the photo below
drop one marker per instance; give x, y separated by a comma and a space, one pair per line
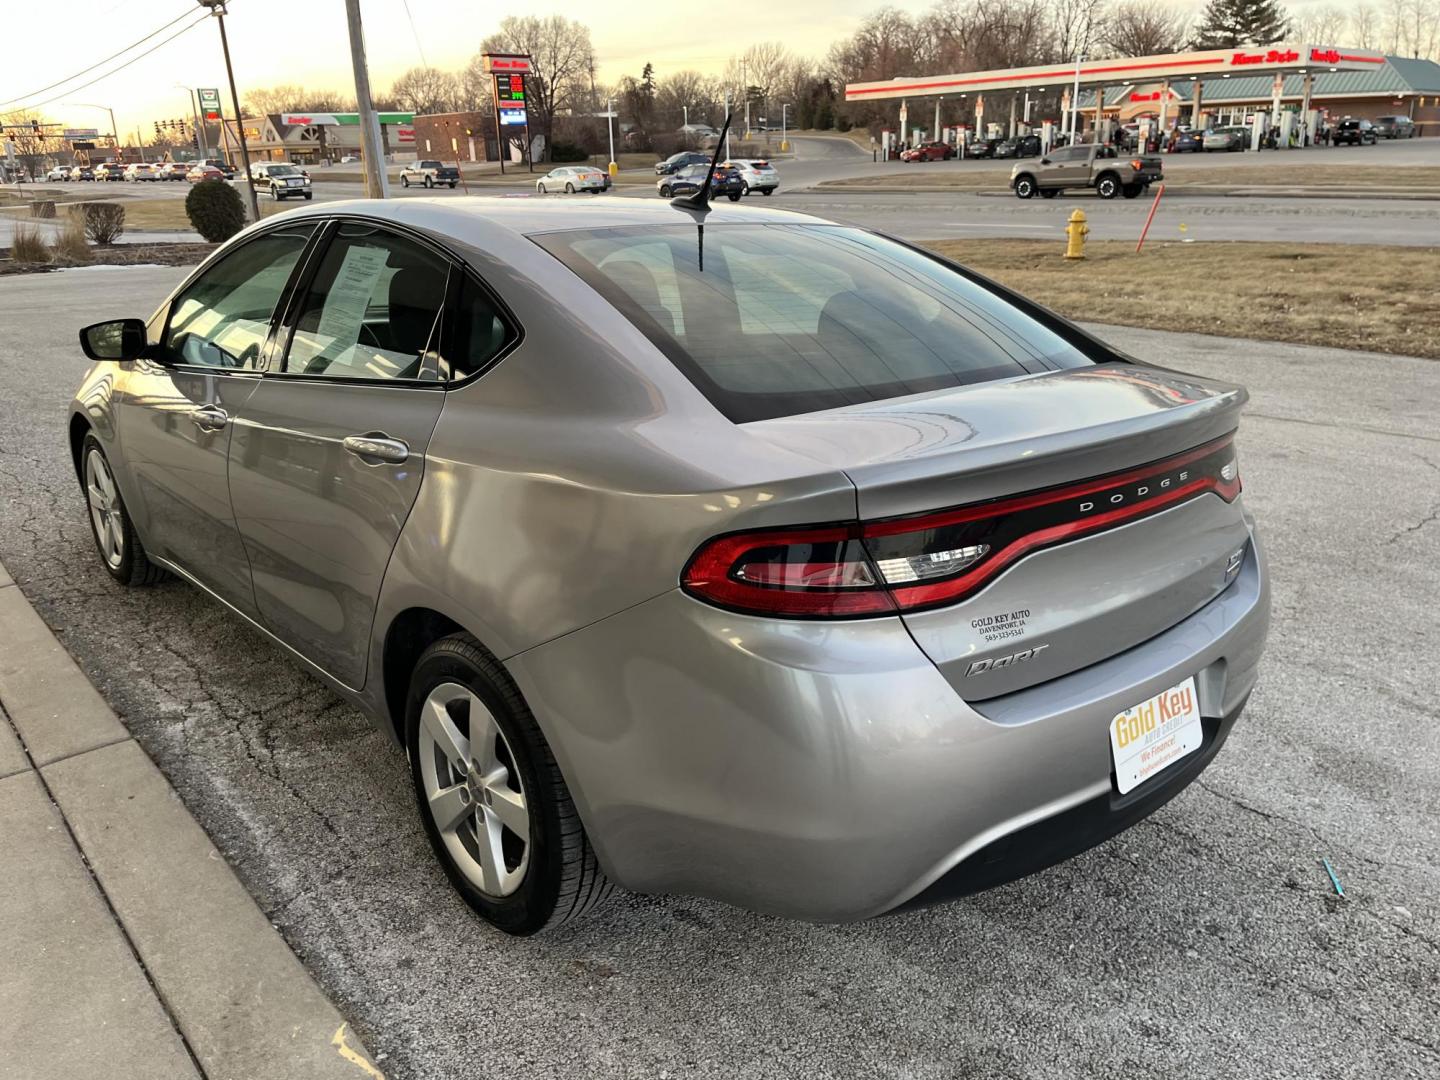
1150, 737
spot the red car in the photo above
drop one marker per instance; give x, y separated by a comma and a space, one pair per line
204, 172
930, 151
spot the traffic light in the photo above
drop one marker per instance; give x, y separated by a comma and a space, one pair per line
35, 127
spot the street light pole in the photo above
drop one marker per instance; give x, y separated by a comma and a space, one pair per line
195, 118
376, 182
114, 135
610, 128
217, 9
784, 141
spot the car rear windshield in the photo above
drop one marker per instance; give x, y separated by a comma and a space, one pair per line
789, 319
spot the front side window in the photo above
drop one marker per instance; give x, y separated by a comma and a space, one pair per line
372, 310
223, 317
787, 319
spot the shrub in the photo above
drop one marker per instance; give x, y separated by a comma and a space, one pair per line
568, 151
104, 222
70, 244
28, 245
216, 210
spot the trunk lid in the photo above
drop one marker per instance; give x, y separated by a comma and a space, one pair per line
1104, 546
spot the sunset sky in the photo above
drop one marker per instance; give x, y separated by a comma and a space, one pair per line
304, 41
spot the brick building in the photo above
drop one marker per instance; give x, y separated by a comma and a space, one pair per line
468, 136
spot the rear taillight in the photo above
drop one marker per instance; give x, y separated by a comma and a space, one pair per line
1137, 164
933, 559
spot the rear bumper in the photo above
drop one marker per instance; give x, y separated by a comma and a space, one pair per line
830, 772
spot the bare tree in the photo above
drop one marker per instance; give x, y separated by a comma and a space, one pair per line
1145, 28
31, 144
681, 94
1077, 26
562, 56
1322, 25
426, 90
1365, 26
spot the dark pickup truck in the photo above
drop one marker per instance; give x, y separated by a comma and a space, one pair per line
1090, 165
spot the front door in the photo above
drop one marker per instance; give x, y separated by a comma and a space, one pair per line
176, 417
329, 449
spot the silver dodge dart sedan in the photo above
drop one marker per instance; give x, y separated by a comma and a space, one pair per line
781, 563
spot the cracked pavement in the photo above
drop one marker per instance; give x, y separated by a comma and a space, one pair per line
1206, 942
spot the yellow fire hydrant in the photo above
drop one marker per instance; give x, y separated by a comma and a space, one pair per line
1076, 230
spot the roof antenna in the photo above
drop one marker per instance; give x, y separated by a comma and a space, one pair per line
697, 203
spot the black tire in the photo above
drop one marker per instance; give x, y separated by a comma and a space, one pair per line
1108, 186
767, 191
309, 195
134, 567
452, 185
275, 193
1130, 191
735, 196
1049, 193
404, 181
540, 188
569, 189
744, 187
429, 182
664, 191
563, 879
1025, 187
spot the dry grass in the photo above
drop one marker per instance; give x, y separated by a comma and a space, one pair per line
1382, 299
70, 244
28, 245
169, 214
1179, 175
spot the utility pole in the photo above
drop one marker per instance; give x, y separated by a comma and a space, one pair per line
727, 114
610, 128
1075, 98
377, 184
217, 9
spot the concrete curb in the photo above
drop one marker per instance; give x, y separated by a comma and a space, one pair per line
166, 946
828, 188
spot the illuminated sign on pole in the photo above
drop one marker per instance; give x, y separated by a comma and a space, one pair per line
209, 104
508, 87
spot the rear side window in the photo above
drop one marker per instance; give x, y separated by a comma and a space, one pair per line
372, 311
788, 319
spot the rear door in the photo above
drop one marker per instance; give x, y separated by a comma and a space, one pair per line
328, 451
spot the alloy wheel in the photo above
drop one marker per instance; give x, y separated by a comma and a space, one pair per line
104, 509
473, 789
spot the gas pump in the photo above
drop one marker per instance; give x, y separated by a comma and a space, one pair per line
1047, 136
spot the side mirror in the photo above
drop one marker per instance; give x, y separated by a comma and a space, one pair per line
118, 339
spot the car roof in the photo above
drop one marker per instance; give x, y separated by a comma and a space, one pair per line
467, 217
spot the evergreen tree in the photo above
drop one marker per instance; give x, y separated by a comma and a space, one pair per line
1228, 24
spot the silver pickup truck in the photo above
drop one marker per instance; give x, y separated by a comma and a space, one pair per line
1090, 165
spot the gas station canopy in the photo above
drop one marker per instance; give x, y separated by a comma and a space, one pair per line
1256, 60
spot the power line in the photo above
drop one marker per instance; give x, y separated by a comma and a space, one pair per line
92, 67
122, 67
415, 33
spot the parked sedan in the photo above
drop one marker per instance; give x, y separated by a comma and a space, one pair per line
1227, 139
690, 179
981, 148
661, 590
573, 178
203, 171
1022, 146
59, 172
174, 170
931, 151
1186, 142
80, 172
140, 170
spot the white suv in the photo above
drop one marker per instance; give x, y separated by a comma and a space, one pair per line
756, 175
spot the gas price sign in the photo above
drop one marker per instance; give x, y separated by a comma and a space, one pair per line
510, 99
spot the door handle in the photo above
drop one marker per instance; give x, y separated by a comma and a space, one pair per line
375, 447
209, 417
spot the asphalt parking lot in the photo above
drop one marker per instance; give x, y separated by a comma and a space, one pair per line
1208, 941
